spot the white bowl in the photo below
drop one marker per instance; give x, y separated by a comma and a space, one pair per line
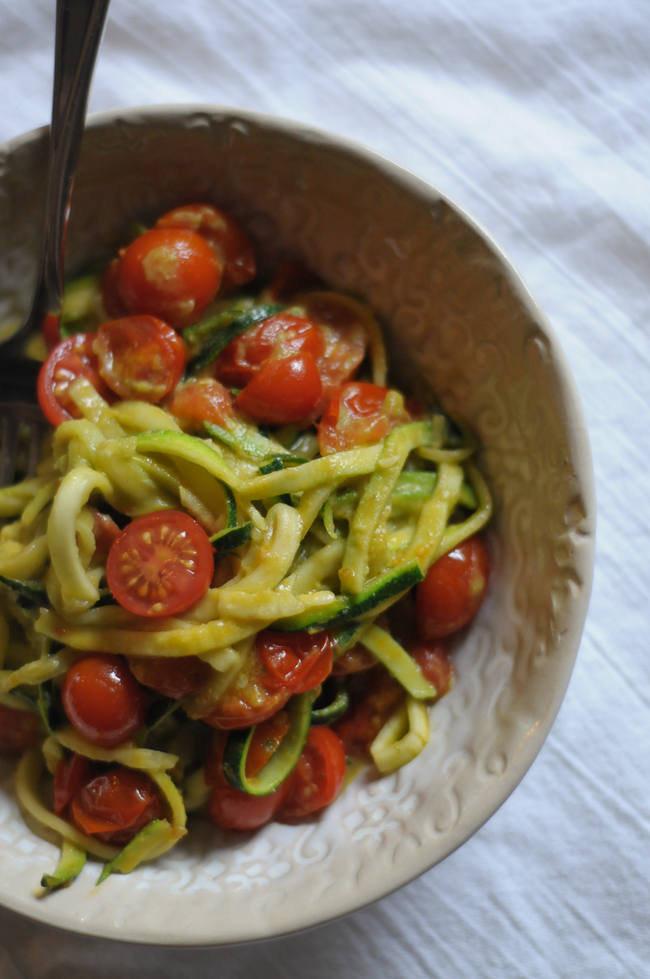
459, 316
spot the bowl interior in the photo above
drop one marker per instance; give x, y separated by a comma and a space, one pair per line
459, 321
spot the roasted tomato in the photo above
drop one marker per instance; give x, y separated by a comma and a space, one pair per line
293, 277
433, 659
160, 564
229, 242
103, 700
201, 400
279, 336
359, 414
171, 676
70, 359
374, 697
354, 660
345, 336
283, 391
140, 357
170, 273
116, 805
295, 661
318, 777
251, 698
71, 775
19, 730
452, 590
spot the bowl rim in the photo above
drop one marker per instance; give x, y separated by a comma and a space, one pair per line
579, 447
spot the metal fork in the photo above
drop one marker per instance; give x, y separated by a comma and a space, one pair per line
79, 28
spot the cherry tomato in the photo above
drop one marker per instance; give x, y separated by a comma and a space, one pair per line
433, 659
251, 698
201, 400
105, 530
229, 242
354, 660
345, 337
357, 416
170, 273
373, 698
140, 357
160, 564
115, 806
51, 333
452, 590
102, 699
231, 808
70, 776
110, 291
293, 277
278, 336
317, 778
19, 730
296, 661
283, 391
171, 676
70, 359
266, 740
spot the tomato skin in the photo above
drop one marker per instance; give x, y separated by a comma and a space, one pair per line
201, 400
345, 337
433, 659
174, 677
283, 391
19, 730
70, 359
357, 416
170, 273
70, 776
373, 698
354, 660
105, 530
265, 741
295, 661
102, 699
247, 703
167, 555
229, 241
318, 777
278, 336
140, 357
116, 805
230, 808
452, 591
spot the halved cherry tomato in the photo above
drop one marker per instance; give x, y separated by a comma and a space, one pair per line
317, 778
373, 698
19, 730
115, 806
170, 273
103, 700
356, 416
140, 357
345, 337
296, 661
70, 359
201, 400
278, 336
433, 659
251, 698
231, 808
230, 243
160, 564
171, 676
283, 391
452, 590
293, 277
354, 660
70, 776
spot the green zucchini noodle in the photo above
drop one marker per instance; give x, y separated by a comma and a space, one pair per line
317, 544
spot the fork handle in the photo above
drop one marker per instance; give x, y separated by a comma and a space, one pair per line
79, 28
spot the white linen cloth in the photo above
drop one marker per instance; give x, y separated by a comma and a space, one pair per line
535, 116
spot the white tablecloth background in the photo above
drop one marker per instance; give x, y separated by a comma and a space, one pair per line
535, 116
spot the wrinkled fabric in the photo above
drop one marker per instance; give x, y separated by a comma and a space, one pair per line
534, 116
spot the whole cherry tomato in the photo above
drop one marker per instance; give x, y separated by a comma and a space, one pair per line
171, 676
70, 359
433, 659
116, 805
318, 777
357, 416
140, 357
283, 391
160, 564
452, 590
103, 700
278, 336
296, 661
201, 400
252, 697
231, 808
171, 273
229, 242
19, 730
71, 774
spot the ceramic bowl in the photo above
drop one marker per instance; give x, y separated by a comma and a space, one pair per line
458, 317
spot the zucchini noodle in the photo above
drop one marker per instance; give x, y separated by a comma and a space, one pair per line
312, 542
